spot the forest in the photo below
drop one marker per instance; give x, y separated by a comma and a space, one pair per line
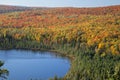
90, 37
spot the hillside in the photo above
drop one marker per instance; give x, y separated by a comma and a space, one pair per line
38, 17
6, 8
90, 36
95, 11
9, 8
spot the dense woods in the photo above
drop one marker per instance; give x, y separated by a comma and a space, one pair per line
91, 36
8, 9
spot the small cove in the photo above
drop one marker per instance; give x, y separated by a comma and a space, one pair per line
36, 65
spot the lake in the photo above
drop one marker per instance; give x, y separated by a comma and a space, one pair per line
33, 65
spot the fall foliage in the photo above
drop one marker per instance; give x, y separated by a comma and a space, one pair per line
91, 31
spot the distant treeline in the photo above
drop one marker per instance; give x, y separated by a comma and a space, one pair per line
92, 38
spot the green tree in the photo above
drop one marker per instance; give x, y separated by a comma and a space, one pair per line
3, 72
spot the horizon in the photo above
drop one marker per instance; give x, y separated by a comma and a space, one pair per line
56, 6
62, 3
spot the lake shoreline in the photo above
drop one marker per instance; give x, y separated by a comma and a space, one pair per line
52, 59
71, 57
57, 52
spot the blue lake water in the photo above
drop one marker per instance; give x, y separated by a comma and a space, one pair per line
33, 65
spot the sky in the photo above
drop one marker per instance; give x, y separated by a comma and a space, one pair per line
60, 3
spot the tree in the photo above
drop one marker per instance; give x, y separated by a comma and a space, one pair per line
3, 72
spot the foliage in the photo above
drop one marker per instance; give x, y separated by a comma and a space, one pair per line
90, 36
3, 72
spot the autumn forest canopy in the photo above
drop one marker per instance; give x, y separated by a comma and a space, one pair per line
91, 36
